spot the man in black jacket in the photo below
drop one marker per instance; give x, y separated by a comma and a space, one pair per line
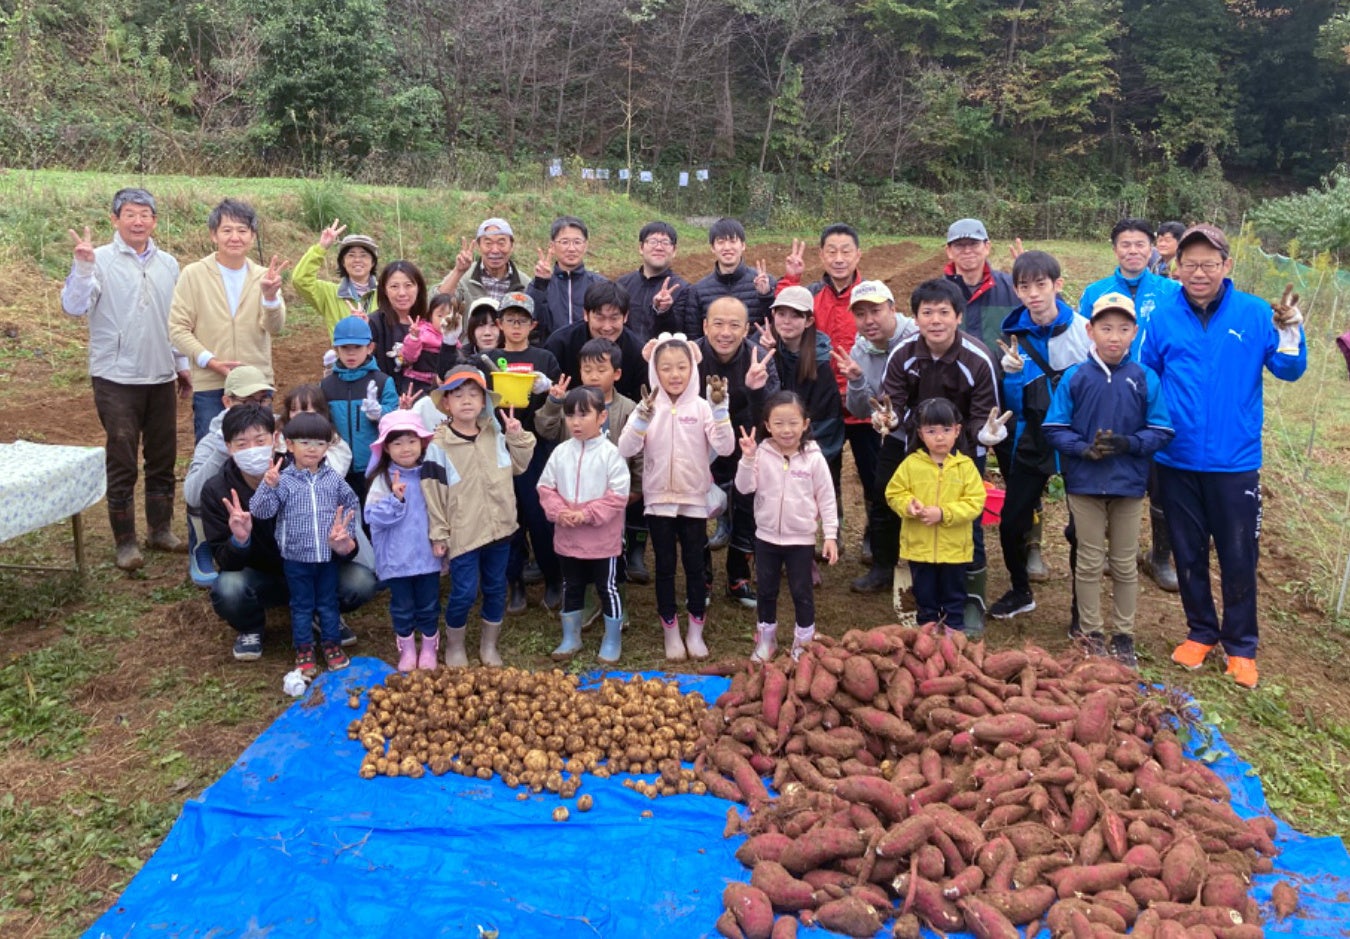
653, 289
561, 277
731, 277
605, 317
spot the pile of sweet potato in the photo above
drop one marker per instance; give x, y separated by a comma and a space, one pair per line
924, 779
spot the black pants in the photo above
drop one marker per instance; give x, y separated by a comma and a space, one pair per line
689, 536
770, 561
1019, 513
604, 573
866, 446
940, 592
535, 531
1224, 508
885, 524
138, 419
740, 514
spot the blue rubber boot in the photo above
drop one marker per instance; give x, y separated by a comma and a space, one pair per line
612, 644
571, 640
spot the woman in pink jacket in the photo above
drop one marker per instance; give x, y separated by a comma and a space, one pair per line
793, 492
678, 433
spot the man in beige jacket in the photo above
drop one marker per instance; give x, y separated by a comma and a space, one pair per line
226, 309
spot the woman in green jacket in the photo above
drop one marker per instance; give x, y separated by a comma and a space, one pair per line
357, 258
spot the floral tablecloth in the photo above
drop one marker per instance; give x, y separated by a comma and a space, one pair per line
41, 484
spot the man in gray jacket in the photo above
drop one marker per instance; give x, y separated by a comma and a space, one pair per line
125, 288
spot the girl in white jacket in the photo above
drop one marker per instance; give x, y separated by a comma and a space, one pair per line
793, 492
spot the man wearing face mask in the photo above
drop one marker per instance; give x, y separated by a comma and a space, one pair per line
245, 549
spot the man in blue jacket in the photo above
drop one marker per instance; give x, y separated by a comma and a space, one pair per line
1210, 346
1132, 240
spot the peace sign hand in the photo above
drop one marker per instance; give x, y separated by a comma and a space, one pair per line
850, 369
794, 265
748, 443
1286, 312
409, 397
464, 260
765, 338
995, 429
396, 485
1012, 361
273, 475
271, 281
665, 297
511, 425
559, 389
355, 309
762, 284
84, 247
241, 521
757, 375
647, 405
340, 536
330, 235
543, 269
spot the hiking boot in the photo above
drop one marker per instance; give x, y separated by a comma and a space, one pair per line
742, 593
455, 656
305, 663
766, 642
427, 657
721, 535
1191, 654
675, 650
515, 598
407, 652
1013, 603
876, 580
334, 658
693, 639
248, 647
532, 574
1122, 650
1242, 670
1094, 645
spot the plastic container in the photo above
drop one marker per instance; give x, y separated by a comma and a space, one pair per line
993, 504
513, 387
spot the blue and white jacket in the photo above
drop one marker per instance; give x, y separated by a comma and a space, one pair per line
305, 505
1211, 378
1126, 399
345, 389
1027, 393
1149, 291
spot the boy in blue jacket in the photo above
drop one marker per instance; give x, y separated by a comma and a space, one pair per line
1107, 419
358, 395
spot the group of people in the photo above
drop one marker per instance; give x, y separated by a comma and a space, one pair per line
651, 405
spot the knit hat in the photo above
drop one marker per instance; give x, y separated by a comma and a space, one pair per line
392, 423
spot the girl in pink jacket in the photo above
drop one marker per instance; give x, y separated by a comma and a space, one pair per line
678, 433
793, 492
584, 493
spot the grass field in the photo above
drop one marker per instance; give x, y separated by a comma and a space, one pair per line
118, 697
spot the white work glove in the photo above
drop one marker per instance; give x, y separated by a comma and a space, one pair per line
884, 418
370, 404
329, 360
1288, 319
1012, 359
542, 383
995, 430
451, 336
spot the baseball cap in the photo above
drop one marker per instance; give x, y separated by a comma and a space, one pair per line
495, 226
245, 380
485, 302
517, 300
871, 291
1206, 233
967, 228
1113, 303
352, 331
795, 298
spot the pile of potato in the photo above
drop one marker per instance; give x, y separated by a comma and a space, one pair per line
925, 779
533, 729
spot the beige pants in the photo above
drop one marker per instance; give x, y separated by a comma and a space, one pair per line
1108, 531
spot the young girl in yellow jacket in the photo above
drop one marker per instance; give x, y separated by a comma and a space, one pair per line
937, 492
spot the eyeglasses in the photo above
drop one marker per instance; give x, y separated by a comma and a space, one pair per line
1209, 267
570, 242
516, 322
311, 444
261, 397
655, 242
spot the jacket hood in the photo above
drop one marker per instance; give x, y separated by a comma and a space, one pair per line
1020, 321
355, 374
691, 390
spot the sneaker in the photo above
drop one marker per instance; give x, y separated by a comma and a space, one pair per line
532, 574
1122, 650
1191, 654
721, 535
248, 647
515, 598
345, 635
305, 662
1012, 604
742, 593
334, 657
1242, 670
1094, 645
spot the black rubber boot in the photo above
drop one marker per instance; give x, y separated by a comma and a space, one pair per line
122, 517
1158, 563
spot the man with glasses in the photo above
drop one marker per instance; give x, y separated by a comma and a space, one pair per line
1211, 345
561, 278
125, 289
494, 274
988, 293
730, 277
653, 289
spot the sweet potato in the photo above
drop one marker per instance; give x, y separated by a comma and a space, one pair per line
929, 862
820, 846
1122, 902
860, 678
1148, 890
934, 908
873, 895
774, 693
1190, 915
1085, 802
726, 925
1114, 833
1004, 665
878, 793
1043, 712
1013, 727
851, 916
1073, 881
907, 836
967, 835
906, 926
1184, 869
823, 685
840, 743
747, 780
1058, 917
753, 912
785, 892
1021, 906
887, 726
985, 920
823, 877
1091, 848
944, 684
1284, 897
1032, 839
785, 928
1143, 861
1224, 889
900, 691
1095, 717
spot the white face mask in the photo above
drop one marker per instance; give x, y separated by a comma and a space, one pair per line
253, 461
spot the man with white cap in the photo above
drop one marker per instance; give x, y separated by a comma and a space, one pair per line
989, 294
494, 274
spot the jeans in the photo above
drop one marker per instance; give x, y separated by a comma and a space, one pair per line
939, 593
205, 406
138, 419
485, 567
770, 561
313, 589
242, 598
415, 604
691, 536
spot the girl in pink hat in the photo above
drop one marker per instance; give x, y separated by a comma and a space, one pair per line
405, 558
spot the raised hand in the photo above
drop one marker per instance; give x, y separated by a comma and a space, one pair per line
84, 247
356, 309
559, 389
1012, 361
271, 280
765, 336
396, 485
995, 429
793, 264
717, 390
757, 375
543, 269
762, 284
647, 406
1286, 311
241, 521
849, 368
330, 235
339, 535
665, 297
884, 418
1015, 249
748, 444
511, 424
464, 260
409, 397
273, 475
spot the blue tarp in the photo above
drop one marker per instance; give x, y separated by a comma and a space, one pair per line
290, 843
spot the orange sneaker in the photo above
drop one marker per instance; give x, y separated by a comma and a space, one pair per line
1242, 670
1191, 654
